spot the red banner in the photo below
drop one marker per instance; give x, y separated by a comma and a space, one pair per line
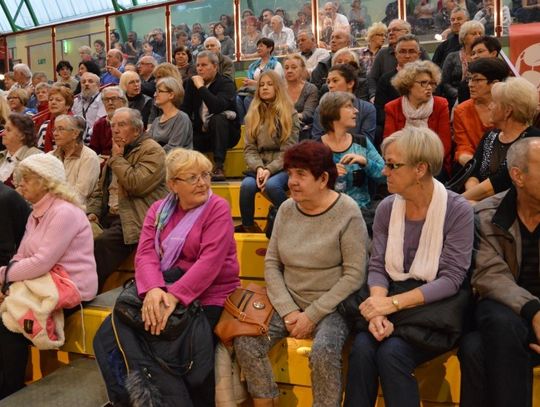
525, 51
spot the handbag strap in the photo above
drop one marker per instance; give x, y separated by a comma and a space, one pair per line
242, 316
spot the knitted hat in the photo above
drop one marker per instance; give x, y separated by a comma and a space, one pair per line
46, 166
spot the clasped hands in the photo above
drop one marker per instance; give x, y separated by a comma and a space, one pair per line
299, 325
261, 178
158, 306
375, 309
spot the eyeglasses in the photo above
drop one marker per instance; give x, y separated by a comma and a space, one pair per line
62, 129
111, 99
12, 98
425, 84
476, 80
162, 91
194, 179
395, 29
407, 52
134, 82
393, 166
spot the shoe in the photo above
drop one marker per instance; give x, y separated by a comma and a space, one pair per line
248, 229
218, 175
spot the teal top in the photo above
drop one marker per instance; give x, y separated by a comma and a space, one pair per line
373, 169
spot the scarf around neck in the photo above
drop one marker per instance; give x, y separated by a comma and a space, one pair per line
416, 117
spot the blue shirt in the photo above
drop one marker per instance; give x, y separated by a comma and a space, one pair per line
108, 78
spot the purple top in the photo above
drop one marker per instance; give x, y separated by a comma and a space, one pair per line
456, 252
208, 257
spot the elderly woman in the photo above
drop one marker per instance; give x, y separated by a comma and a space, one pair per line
357, 160
303, 94
421, 251
272, 126
184, 62
343, 78
130, 83
173, 128
60, 102
455, 67
266, 62
17, 99
417, 107
512, 111
376, 35
20, 141
42, 96
472, 118
80, 162
250, 37
190, 230
308, 273
58, 239
64, 71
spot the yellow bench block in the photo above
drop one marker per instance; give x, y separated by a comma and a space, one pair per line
234, 163
76, 342
231, 192
290, 396
251, 249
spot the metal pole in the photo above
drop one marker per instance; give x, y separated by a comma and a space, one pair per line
53, 38
237, 28
31, 11
168, 38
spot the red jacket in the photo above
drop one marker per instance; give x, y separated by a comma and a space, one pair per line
439, 122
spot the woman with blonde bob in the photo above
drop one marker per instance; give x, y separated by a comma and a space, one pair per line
186, 253
376, 35
421, 251
417, 107
272, 126
165, 70
173, 128
513, 108
130, 83
58, 236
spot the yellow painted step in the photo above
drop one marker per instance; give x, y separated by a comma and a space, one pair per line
234, 163
251, 249
230, 191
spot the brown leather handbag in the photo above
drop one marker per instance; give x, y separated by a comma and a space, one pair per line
247, 312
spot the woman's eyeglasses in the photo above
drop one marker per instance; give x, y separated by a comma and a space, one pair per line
194, 179
425, 84
393, 166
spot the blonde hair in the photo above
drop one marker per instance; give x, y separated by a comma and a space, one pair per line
276, 116
376, 28
5, 111
173, 86
418, 145
345, 51
167, 69
181, 160
520, 95
404, 79
469, 26
21, 94
125, 78
61, 190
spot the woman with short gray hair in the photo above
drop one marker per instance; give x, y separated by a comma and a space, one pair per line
80, 162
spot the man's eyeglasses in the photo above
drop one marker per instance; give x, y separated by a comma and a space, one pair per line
111, 99
194, 179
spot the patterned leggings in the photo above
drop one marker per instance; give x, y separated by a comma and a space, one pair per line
324, 361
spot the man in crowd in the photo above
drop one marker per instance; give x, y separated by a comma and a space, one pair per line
14, 211
340, 39
266, 15
497, 360
338, 20
308, 48
132, 47
114, 68
88, 104
157, 39
145, 69
225, 64
458, 16
210, 101
132, 180
85, 52
23, 78
282, 36
386, 61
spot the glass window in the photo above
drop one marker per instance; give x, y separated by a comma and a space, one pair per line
35, 49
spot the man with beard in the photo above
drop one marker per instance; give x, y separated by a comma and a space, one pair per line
88, 104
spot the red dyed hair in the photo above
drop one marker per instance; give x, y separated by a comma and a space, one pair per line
313, 156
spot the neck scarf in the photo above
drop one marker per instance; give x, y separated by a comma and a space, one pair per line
416, 117
170, 248
425, 265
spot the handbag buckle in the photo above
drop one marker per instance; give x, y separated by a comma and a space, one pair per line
258, 305
242, 316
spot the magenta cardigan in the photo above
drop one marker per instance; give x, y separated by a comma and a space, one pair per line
208, 257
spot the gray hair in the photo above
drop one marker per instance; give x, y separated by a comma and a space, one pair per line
407, 37
212, 39
85, 49
24, 69
402, 23
210, 55
91, 75
469, 26
135, 118
77, 122
346, 50
121, 93
40, 75
518, 153
458, 9
148, 58
309, 34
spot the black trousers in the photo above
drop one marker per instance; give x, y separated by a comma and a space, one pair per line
221, 135
110, 250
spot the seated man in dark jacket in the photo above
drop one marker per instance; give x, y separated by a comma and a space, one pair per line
497, 360
14, 212
210, 101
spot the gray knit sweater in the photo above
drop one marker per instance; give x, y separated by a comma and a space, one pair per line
314, 262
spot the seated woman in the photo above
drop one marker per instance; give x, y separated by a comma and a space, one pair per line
172, 128
512, 111
20, 142
472, 117
42, 96
343, 78
266, 62
184, 62
316, 258
60, 102
57, 234
64, 71
348, 56
417, 107
227, 44
356, 160
303, 94
422, 238
81, 163
250, 37
17, 99
272, 126
130, 83
190, 229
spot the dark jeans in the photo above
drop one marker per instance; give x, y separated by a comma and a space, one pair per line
496, 361
110, 250
393, 361
275, 189
221, 135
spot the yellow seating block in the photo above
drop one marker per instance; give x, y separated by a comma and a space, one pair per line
234, 163
231, 192
251, 249
76, 342
241, 143
294, 396
239, 81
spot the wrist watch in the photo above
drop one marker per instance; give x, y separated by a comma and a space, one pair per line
395, 302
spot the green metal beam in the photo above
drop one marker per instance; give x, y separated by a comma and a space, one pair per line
135, 3
18, 11
10, 19
32, 13
119, 20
